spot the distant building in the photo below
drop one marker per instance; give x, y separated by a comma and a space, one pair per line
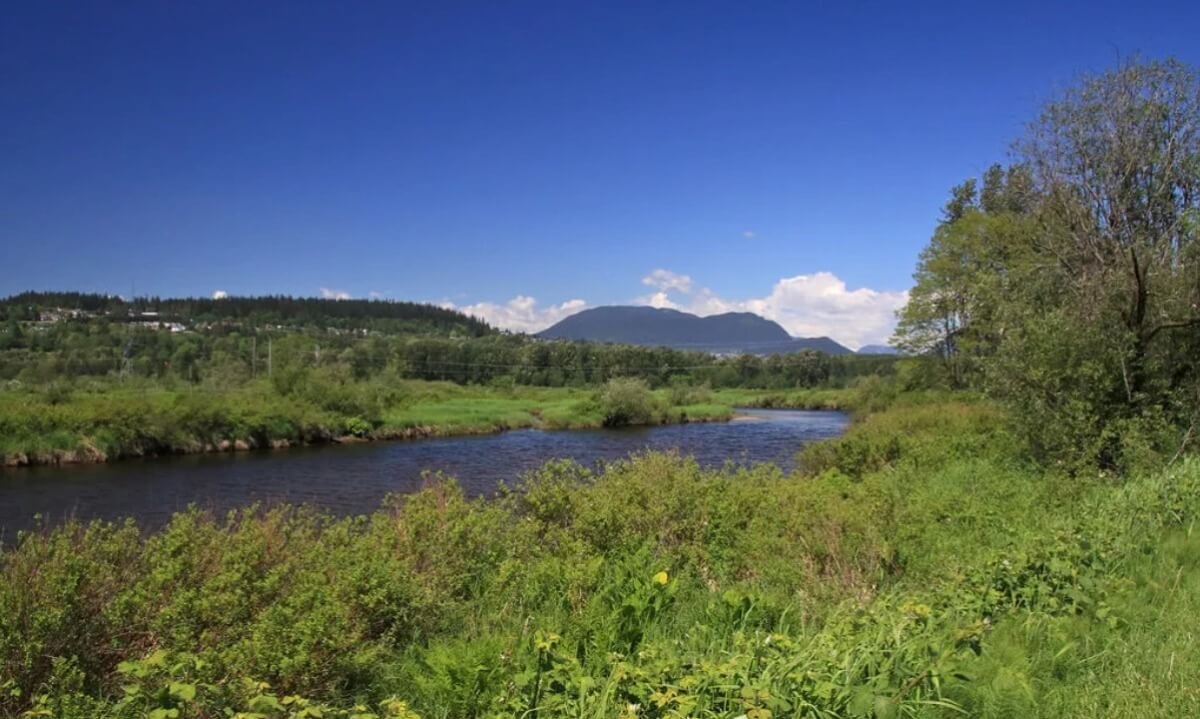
61, 314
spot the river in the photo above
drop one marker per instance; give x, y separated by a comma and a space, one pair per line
350, 479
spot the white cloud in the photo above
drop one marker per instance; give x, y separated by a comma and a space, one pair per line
821, 304
658, 299
220, 295
814, 305
520, 314
748, 234
331, 294
666, 280
376, 295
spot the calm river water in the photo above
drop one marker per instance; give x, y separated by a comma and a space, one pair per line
350, 479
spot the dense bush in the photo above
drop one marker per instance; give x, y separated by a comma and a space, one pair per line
682, 393
626, 401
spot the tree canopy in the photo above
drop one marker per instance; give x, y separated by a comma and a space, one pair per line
1070, 284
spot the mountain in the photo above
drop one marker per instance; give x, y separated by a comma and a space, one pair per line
878, 350
727, 333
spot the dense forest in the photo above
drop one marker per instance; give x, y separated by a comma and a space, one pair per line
1007, 529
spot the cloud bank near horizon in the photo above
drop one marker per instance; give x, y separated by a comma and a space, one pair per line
521, 313
813, 305
328, 293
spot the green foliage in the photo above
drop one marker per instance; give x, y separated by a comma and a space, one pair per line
928, 434
916, 567
626, 401
681, 393
1070, 287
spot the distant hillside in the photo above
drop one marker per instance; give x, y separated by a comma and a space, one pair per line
730, 332
378, 315
878, 350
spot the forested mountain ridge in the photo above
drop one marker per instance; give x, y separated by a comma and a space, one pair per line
732, 332
381, 315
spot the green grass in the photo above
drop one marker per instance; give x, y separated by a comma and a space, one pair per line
1144, 663
110, 421
917, 567
458, 415
1135, 654
1149, 664
486, 410
866, 395
455, 409
703, 411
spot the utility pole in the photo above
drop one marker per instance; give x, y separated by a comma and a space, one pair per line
126, 361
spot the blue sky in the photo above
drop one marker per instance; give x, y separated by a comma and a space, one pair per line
512, 157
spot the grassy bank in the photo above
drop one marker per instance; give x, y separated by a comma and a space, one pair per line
919, 566
107, 421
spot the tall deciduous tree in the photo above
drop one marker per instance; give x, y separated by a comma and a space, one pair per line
1117, 161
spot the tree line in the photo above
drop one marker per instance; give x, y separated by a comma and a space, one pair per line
228, 355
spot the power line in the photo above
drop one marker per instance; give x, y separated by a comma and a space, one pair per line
714, 365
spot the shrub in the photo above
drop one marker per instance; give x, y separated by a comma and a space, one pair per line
681, 393
627, 401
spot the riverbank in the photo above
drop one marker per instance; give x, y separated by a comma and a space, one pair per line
917, 566
111, 423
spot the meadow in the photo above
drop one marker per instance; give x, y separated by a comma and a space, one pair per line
919, 566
